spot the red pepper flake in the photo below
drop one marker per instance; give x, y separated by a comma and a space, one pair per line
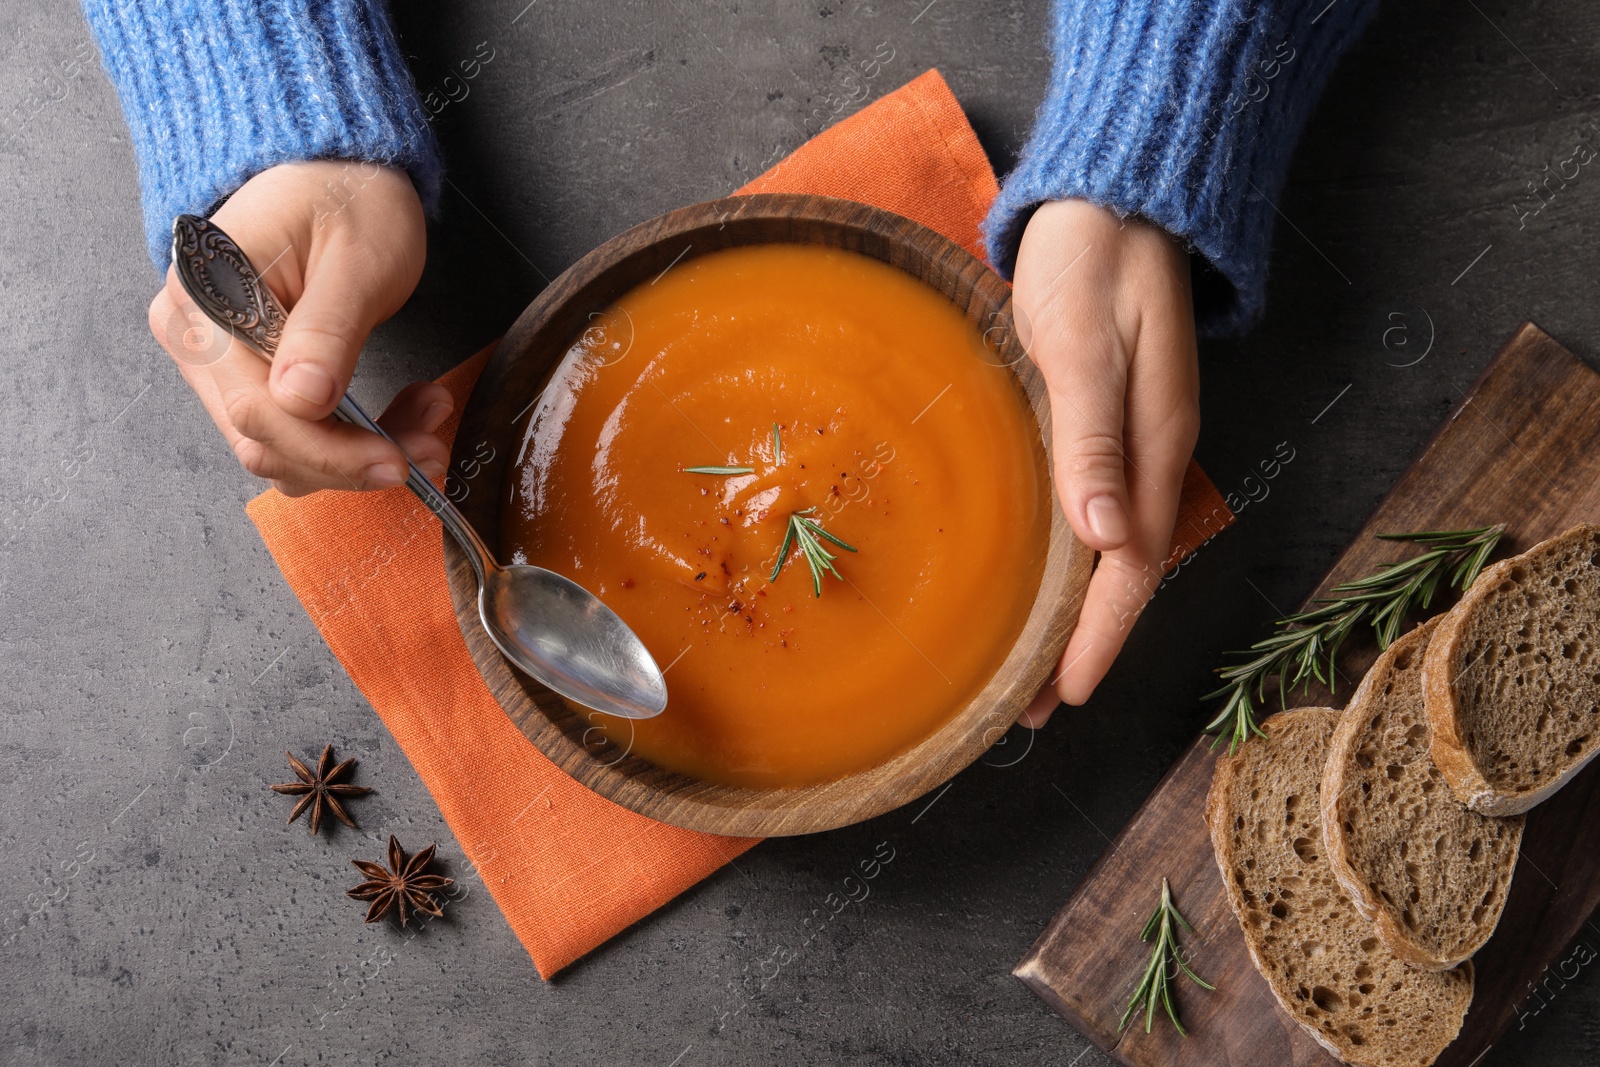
734, 607
700, 577
627, 583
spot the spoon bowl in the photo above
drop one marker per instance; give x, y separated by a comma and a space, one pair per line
561, 634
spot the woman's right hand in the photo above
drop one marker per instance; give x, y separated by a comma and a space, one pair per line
342, 245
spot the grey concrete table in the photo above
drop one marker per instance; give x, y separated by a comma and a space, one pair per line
153, 665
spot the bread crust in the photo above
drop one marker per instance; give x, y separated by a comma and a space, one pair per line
1442, 665
1222, 851
1216, 811
1336, 784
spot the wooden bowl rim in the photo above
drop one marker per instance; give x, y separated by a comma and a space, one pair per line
546, 328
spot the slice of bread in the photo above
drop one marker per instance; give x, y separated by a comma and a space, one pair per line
1431, 874
1512, 677
1326, 965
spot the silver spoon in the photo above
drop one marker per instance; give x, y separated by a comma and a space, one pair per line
546, 624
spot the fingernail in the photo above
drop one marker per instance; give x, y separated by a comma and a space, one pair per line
384, 474
309, 382
1041, 707
1106, 520
434, 417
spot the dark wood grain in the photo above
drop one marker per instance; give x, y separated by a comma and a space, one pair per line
1523, 447
497, 415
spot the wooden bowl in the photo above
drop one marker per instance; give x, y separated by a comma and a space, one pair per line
496, 418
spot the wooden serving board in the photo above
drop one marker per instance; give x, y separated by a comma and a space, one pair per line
1523, 447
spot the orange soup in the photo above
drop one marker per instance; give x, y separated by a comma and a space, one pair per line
825, 391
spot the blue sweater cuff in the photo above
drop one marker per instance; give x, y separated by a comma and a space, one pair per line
216, 91
1185, 113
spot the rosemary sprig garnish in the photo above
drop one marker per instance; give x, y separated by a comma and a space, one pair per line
802, 530
1305, 646
1166, 960
809, 535
719, 470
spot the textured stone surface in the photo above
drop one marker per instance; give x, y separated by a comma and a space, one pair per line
153, 667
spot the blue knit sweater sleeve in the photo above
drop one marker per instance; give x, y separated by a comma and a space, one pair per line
1183, 112
216, 91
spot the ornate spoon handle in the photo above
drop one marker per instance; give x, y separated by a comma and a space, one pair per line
222, 281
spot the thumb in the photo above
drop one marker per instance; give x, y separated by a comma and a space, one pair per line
323, 337
1088, 390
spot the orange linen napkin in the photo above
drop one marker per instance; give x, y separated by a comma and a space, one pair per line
568, 868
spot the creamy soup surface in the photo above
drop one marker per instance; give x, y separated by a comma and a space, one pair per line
897, 432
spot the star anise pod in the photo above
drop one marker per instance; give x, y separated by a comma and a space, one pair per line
403, 888
322, 789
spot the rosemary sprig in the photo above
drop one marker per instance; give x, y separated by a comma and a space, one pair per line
1305, 646
809, 535
719, 470
801, 530
1166, 960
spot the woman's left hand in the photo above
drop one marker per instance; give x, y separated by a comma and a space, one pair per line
1104, 310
